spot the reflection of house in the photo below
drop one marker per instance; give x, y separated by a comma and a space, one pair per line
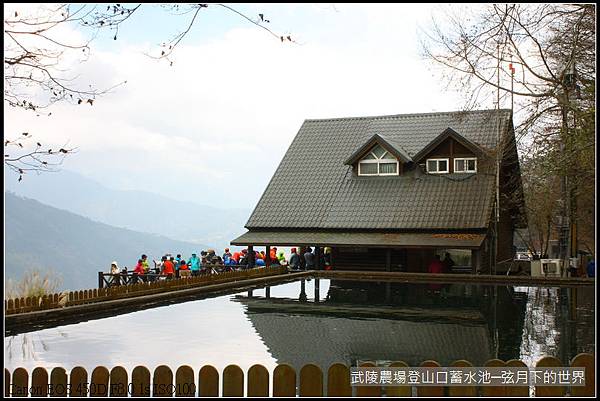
387, 192
347, 327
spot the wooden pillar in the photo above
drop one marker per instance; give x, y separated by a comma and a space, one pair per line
302, 297
268, 292
251, 256
318, 258
388, 260
100, 280
250, 294
317, 288
268, 256
475, 260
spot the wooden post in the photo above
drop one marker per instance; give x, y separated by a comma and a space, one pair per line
268, 256
302, 297
268, 292
318, 257
388, 260
100, 280
317, 288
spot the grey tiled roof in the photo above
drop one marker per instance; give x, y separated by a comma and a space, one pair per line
328, 238
313, 188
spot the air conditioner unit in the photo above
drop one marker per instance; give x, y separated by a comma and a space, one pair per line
552, 267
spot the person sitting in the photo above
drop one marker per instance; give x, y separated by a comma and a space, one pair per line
281, 258
184, 269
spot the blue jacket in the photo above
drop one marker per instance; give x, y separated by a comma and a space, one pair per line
195, 263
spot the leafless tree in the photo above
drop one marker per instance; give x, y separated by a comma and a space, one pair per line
539, 60
38, 64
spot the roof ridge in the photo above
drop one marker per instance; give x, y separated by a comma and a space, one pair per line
437, 113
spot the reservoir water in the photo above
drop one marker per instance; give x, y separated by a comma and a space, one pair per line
323, 322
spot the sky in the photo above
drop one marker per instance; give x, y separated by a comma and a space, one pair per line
220, 119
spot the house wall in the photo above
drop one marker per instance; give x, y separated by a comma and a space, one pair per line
450, 149
374, 259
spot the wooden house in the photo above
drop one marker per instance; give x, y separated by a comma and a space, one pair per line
388, 192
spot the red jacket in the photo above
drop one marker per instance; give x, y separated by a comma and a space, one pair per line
168, 267
139, 269
436, 267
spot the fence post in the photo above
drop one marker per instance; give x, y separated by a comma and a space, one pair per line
338, 381
586, 361
258, 381
462, 391
517, 391
208, 382
398, 391
99, 382
100, 280
494, 391
119, 384
284, 381
184, 382
311, 381
549, 391
39, 382
6, 383
140, 382
162, 382
58, 382
78, 381
233, 381
368, 391
20, 384
430, 391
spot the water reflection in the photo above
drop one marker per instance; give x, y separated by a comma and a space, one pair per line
323, 322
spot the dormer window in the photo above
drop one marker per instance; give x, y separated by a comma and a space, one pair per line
378, 162
437, 166
465, 165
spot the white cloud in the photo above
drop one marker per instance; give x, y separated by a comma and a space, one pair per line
228, 108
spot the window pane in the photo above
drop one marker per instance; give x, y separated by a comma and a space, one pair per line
370, 156
368, 168
459, 165
388, 168
379, 151
442, 165
471, 165
431, 165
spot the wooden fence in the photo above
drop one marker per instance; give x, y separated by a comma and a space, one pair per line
51, 301
283, 382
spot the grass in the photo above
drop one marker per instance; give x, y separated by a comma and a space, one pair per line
32, 284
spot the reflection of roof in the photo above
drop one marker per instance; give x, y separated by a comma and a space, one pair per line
313, 188
299, 237
299, 338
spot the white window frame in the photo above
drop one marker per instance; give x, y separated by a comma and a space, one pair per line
438, 165
378, 161
465, 159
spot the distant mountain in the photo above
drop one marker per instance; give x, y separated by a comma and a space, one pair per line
135, 210
76, 248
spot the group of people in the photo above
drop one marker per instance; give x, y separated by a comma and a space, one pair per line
209, 262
